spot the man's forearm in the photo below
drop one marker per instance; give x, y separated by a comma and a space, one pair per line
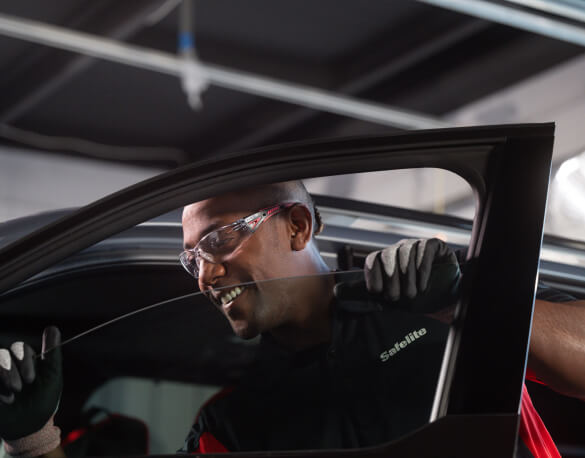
557, 346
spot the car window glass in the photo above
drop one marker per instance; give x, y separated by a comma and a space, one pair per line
375, 371
424, 189
379, 375
565, 214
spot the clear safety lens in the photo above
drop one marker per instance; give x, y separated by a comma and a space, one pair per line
215, 247
224, 241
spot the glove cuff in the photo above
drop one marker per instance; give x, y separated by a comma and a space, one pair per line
35, 444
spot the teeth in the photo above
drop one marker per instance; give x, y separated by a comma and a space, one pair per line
231, 295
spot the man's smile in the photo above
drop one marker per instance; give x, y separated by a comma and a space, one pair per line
231, 295
226, 298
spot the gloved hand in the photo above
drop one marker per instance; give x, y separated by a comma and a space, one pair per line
419, 275
30, 390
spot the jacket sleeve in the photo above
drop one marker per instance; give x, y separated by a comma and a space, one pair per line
533, 433
200, 440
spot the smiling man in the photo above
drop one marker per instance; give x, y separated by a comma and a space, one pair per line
245, 238
324, 377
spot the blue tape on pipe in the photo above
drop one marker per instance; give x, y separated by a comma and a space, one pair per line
186, 40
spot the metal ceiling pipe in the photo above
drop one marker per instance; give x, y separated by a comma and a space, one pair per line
570, 11
154, 60
118, 25
513, 17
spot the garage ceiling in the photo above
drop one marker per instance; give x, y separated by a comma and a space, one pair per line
401, 53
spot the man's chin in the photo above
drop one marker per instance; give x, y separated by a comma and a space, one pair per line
244, 330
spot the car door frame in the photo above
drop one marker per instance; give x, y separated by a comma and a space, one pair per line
508, 168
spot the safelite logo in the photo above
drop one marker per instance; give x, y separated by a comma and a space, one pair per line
410, 338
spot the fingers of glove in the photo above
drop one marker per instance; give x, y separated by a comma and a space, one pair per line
10, 381
393, 287
23, 358
451, 258
51, 338
51, 350
389, 258
405, 249
432, 252
6, 398
408, 272
426, 257
373, 273
391, 272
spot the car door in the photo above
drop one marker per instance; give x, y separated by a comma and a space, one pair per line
483, 368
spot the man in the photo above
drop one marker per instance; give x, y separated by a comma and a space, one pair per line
295, 323
316, 366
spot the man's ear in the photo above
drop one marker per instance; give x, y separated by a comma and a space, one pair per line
301, 227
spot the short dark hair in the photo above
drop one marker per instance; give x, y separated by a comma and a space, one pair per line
287, 191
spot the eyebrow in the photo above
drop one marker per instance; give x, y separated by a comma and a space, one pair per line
207, 230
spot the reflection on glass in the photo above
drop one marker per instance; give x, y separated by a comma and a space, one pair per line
371, 377
565, 215
423, 189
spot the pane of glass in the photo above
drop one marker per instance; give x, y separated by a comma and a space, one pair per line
316, 358
424, 189
566, 216
369, 378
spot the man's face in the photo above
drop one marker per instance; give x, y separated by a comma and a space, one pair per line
264, 255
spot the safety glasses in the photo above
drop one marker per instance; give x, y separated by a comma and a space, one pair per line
219, 244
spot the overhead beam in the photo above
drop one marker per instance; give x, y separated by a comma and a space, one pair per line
388, 63
52, 70
153, 60
573, 12
513, 17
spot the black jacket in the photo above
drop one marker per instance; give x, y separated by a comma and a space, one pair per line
374, 382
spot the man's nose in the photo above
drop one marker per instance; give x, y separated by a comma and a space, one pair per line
210, 273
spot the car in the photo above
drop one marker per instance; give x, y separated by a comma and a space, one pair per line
117, 257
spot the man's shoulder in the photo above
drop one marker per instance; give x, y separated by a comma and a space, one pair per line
205, 418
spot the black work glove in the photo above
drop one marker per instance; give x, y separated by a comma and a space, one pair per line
30, 390
419, 275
